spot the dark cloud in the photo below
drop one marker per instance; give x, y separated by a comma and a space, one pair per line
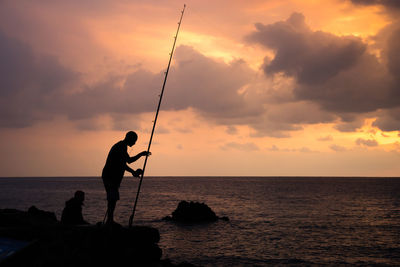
301, 112
281, 129
35, 87
393, 56
349, 123
388, 120
278, 120
312, 57
336, 72
28, 82
212, 88
222, 93
195, 81
110, 97
386, 3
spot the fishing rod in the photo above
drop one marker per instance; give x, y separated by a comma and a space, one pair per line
155, 119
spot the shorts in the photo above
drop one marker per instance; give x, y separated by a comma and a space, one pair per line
112, 194
112, 191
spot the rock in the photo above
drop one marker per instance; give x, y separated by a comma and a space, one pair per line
34, 216
54, 244
37, 216
85, 246
193, 212
13, 217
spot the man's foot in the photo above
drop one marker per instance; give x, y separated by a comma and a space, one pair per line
113, 224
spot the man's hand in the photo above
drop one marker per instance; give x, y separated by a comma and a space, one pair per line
137, 173
145, 153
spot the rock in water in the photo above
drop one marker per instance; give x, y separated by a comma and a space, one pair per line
193, 212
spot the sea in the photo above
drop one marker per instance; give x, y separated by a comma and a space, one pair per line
273, 221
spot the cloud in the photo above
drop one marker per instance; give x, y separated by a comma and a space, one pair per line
273, 148
393, 56
349, 123
279, 119
366, 142
302, 149
336, 72
28, 82
210, 87
338, 148
231, 130
388, 120
34, 84
386, 3
312, 57
37, 87
238, 146
325, 138
314, 77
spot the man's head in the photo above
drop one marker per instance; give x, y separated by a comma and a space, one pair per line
131, 138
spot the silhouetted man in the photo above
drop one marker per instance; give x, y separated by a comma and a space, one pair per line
72, 213
114, 170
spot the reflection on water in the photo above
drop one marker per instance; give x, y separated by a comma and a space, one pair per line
298, 221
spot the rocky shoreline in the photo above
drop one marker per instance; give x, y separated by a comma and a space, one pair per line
50, 243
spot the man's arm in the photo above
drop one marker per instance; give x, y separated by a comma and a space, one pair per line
127, 168
138, 156
134, 173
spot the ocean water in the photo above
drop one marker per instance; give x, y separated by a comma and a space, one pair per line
297, 221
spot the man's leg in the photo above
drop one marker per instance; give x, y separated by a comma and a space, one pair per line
110, 210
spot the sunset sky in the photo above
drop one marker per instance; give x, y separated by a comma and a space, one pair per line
263, 88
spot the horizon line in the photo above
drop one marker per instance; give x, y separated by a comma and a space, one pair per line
216, 176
